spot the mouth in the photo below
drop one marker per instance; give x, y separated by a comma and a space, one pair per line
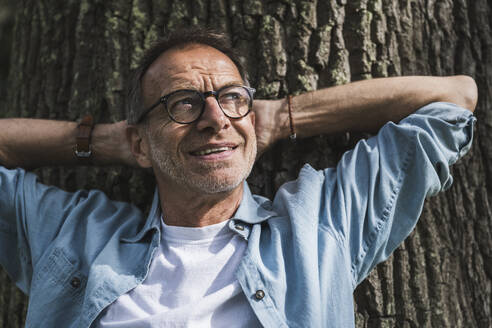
209, 150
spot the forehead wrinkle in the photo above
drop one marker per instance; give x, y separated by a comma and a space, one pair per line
218, 68
201, 72
201, 82
211, 70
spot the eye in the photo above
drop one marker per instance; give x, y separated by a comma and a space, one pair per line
234, 96
231, 96
182, 104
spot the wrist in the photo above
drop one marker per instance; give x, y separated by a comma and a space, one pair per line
292, 134
102, 145
110, 146
83, 147
280, 117
286, 119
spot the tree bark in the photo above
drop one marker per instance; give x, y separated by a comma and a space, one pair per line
73, 57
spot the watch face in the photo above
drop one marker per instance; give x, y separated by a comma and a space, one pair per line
83, 154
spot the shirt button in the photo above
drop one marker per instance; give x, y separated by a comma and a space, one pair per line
259, 294
239, 227
75, 282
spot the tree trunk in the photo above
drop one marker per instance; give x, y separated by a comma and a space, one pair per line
73, 57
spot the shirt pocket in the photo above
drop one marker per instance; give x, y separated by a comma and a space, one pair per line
57, 284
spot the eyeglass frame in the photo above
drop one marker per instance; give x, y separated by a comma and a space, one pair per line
204, 95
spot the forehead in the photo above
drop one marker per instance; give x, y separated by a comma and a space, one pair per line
193, 66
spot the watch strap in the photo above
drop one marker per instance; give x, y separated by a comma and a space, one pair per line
83, 149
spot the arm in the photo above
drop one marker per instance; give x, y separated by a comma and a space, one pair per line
33, 143
360, 106
382, 183
33, 214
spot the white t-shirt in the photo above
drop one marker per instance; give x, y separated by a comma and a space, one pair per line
191, 283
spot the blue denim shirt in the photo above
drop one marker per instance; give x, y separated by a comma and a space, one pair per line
75, 253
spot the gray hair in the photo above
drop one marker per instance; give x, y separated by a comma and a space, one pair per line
177, 39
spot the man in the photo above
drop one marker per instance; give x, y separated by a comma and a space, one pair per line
210, 253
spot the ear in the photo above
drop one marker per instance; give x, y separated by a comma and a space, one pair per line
139, 145
252, 116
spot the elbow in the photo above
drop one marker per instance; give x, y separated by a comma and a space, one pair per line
466, 92
5, 159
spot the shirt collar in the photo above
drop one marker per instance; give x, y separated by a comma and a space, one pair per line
253, 209
152, 221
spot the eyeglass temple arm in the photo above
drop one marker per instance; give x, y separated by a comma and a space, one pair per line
145, 112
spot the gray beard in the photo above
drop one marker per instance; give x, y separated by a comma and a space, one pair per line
208, 184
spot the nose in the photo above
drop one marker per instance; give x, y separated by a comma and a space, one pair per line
213, 117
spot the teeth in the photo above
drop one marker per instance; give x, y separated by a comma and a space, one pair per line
211, 150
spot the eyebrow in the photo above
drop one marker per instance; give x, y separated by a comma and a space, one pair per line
189, 86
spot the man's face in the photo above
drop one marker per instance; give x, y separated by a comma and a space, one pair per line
214, 154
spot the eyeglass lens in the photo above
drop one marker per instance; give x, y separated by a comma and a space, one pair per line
185, 106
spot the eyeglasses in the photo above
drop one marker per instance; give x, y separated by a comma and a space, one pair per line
186, 106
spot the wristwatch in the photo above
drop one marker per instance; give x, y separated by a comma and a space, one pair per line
83, 149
